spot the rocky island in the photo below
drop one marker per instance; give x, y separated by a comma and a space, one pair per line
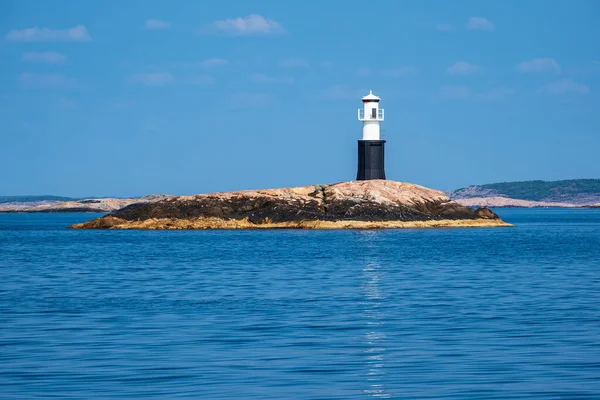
358, 204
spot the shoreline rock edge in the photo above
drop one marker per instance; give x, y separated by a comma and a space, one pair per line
374, 204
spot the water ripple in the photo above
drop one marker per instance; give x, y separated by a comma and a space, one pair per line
419, 314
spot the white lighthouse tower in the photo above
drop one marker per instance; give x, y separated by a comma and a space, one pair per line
371, 149
370, 115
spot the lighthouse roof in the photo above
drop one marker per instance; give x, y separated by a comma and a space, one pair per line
370, 97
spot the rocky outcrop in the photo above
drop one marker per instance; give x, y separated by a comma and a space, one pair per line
359, 204
498, 201
86, 205
471, 192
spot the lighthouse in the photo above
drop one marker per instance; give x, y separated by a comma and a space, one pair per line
371, 149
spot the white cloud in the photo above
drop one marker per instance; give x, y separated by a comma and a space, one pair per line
401, 72
462, 68
565, 86
213, 62
77, 33
156, 24
455, 92
262, 78
45, 57
247, 100
44, 81
293, 63
444, 28
540, 65
341, 92
253, 24
480, 24
152, 79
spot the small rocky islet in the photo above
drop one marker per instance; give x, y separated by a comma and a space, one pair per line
367, 204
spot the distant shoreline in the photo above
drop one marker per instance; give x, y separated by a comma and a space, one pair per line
566, 193
504, 202
91, 205
574, 193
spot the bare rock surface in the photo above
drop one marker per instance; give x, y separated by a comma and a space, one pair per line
356, 204
497, 201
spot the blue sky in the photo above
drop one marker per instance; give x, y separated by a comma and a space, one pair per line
112, 98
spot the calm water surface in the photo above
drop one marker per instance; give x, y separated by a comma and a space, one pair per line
412, 314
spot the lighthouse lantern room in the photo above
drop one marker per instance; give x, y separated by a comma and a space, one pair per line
371, 149
370, 116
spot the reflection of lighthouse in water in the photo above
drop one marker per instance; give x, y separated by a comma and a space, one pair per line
374, 337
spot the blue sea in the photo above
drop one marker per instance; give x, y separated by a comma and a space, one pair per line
484, 313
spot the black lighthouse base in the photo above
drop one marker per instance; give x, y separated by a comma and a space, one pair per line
370, 160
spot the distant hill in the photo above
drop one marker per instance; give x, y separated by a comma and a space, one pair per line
573, 191
29, 199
